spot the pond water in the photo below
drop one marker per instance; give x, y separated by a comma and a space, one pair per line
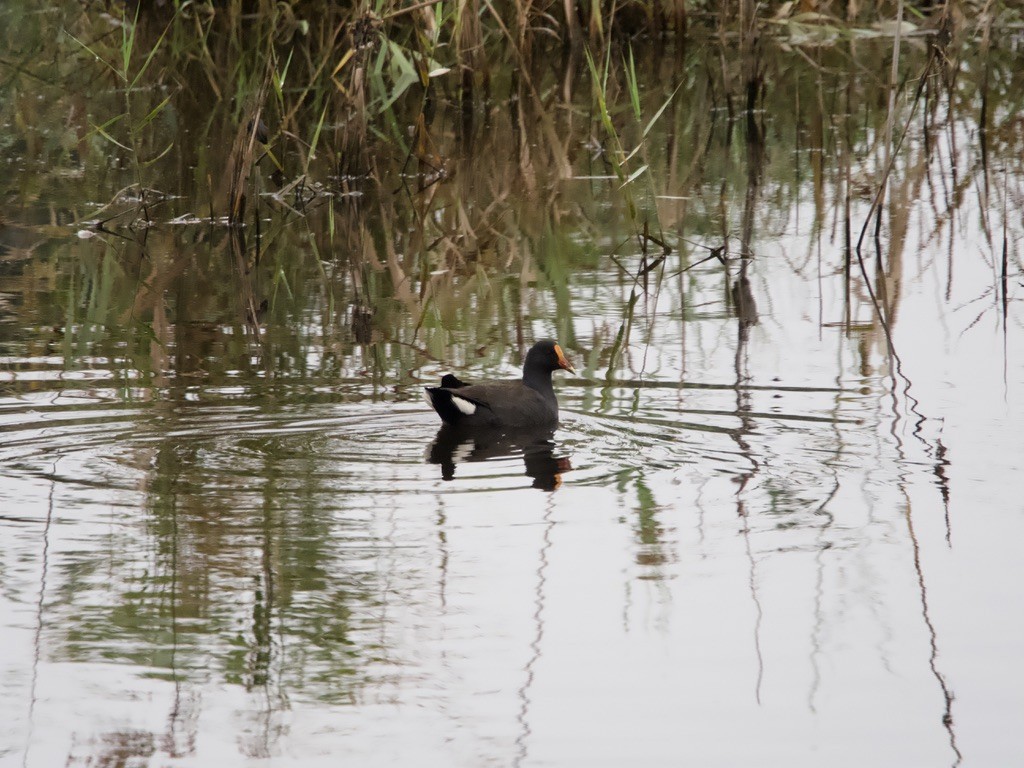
762, 534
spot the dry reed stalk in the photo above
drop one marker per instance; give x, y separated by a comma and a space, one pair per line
243, 152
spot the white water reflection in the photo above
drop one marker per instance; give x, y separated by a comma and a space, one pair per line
788, 570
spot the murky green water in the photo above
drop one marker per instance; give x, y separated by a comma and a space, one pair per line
759, 537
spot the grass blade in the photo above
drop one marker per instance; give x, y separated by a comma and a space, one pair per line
316, 136
632, 85
102, 132
661, 110
153, 113
634, 175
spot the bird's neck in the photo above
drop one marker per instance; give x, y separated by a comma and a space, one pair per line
540, 381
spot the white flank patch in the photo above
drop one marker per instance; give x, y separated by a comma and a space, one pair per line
465, 406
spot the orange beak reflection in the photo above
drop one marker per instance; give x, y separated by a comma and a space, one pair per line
562, 362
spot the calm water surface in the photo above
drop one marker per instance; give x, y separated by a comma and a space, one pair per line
757, 538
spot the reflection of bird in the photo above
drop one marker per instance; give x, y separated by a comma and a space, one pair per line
527, 402
743, 301
454, 445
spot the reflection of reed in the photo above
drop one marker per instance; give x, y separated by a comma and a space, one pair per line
180, 738
942, 481
740, 436
745, 310
38, 634
903, 484
251, 304
540, 597
752, 583
823, 545
933, 641
262, 652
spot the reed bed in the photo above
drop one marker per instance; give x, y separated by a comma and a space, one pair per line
417, 160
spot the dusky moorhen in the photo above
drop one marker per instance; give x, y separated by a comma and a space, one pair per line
527, 402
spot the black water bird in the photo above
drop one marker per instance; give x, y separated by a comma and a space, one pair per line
526, 402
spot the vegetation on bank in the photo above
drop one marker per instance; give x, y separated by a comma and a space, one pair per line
345, 80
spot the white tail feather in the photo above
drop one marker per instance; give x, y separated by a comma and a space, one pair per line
465, 406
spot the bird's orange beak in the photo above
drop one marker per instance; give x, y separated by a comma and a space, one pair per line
562, 362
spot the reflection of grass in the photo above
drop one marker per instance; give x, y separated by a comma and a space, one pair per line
491, 220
